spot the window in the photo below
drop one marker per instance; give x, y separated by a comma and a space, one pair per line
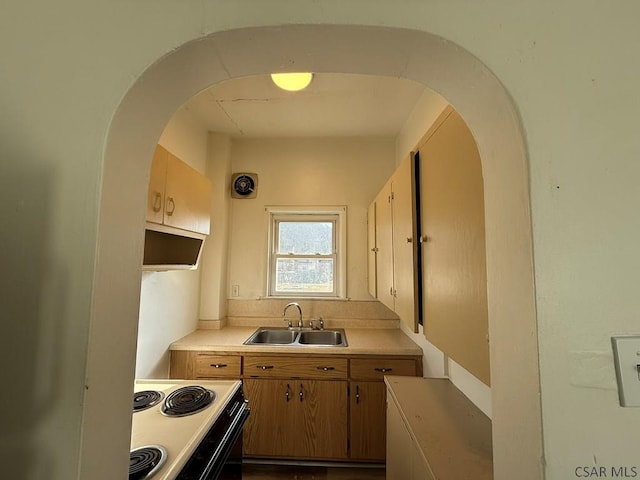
307, 251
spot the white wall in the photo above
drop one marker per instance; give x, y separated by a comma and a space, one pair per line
305, 171
169, 301
213, 264
427, 109
570, 69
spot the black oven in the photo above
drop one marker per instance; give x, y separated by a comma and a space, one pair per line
218, 456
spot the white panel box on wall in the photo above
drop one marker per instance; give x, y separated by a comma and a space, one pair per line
244, 185
626, 358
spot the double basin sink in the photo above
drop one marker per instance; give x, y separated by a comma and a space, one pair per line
298, 337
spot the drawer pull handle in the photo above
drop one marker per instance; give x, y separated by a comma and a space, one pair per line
325, 369
219, 365
264, 367
357, 394
301, 393
383, 370
287, 393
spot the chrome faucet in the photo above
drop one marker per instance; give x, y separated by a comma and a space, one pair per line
313, 326
293, 304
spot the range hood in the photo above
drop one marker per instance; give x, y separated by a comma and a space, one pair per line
168, 248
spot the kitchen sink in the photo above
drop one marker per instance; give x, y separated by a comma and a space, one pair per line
273, 336
298, 337
322, 337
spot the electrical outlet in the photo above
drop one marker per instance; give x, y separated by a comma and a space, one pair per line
626, 357
235, 290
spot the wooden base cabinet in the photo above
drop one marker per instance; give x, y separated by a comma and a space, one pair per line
193, 365
367, 403
296, 418
307, 407
367, 407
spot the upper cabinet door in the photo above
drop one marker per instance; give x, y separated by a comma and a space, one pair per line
155, 194
405, 267
372, 253
392, 245
384, 245
454, 257
178, 195
187, 202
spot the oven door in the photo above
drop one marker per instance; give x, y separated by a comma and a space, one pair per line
219, 454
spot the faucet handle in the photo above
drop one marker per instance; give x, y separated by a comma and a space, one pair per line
289, 324
321, 321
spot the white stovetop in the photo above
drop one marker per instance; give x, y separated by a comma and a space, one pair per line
178, 435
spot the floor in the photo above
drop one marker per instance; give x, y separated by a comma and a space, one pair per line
288, 472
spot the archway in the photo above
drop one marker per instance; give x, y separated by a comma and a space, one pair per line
441, 65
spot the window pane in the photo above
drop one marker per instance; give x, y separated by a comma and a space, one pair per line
305, 238
312, 275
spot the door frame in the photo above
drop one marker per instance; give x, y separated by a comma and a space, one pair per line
441, 65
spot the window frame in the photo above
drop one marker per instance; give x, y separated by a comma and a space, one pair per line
335, 214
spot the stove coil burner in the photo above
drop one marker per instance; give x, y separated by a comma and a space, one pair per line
146, 399
187, 400
144, 462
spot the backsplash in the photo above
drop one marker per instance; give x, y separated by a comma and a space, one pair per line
268, 312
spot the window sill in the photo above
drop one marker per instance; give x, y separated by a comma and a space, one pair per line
303, 297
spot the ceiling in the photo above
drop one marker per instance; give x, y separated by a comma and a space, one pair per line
333, 105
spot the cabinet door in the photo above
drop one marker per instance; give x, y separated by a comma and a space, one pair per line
384, 244
296, 419
322, 425
368, 420
187, 197
405, 266
372, 251
454, 257
157, 180
274, 418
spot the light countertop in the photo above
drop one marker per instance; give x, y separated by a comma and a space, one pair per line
361, 341
453, 435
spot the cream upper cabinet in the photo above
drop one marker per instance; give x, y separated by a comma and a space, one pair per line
384, 247
454, 256
394, 266
179, 196
405, 243
157, 182
372, 251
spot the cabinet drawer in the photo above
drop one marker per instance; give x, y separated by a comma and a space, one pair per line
211, 365
377, 368
295, 367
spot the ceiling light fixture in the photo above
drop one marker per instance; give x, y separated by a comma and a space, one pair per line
292, 82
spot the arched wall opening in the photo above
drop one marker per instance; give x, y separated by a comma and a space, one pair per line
442, 66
